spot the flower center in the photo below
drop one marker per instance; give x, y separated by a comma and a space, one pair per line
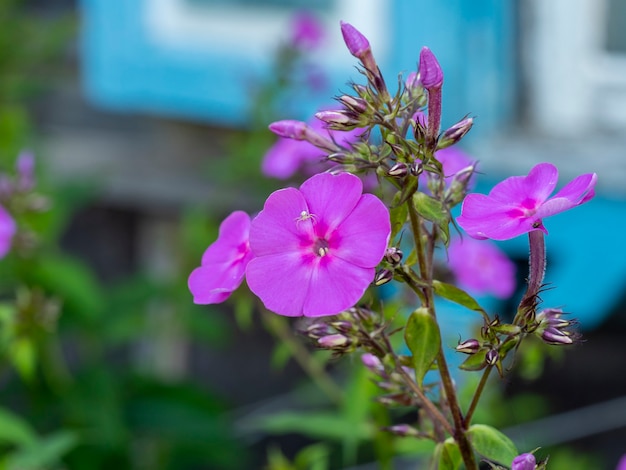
320, 247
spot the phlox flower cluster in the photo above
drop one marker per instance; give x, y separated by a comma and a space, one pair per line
311, 251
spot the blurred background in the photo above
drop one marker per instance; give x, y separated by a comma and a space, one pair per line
148, 122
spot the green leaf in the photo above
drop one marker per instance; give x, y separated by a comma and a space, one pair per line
44, 453
407, 191
398, 214
14, 429
450, 457
492, 444
313, 457
423, 339
430, 208
475, 361
456, 295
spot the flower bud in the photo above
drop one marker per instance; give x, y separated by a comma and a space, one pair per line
492, 357
555, 336
524, 462
358, 45
470, 346
358, 105
430, 71
25, 167
403, 430
394, 399
317, 330
416, 168
393, 256
455, 133
373, 363
412, 81
338, 120
383, 277
342, 326
333, 341
299, 130
399, 170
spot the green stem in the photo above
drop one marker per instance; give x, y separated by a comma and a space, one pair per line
477, 394
446, 379
313, 368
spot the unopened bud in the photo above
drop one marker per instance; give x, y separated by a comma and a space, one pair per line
416, 168
403, 430
555, 336
342, 326
492, 357
399, 170
359, 46
333, 341
383, 277
338, 120
393, 255
430, 71
289, 129
373, 363
524, 462
358, 105
470, 346
455, 133
317, 330
412, 81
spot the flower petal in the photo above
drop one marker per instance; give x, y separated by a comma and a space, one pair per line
532, 189
482, 217
331, 198
232, 239
281, 281
335, 286
363, 236
212, 284
280, 227
576, 192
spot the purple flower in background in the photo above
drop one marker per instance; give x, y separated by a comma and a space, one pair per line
454, 162
287, 156
621, 465
480, 267
519, 204
7, 231
25, 167
224, 262
316, 247
524, 462
307, 32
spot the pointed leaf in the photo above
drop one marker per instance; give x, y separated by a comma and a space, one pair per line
430, 208
398, 215
450, 457
423, 339
475, 361
492, 444
456, 295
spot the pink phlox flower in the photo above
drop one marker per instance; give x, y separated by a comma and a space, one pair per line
306, 31
316, 248
519, 204
287, 156
480, 267
8, 227
224, 262
621, 465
